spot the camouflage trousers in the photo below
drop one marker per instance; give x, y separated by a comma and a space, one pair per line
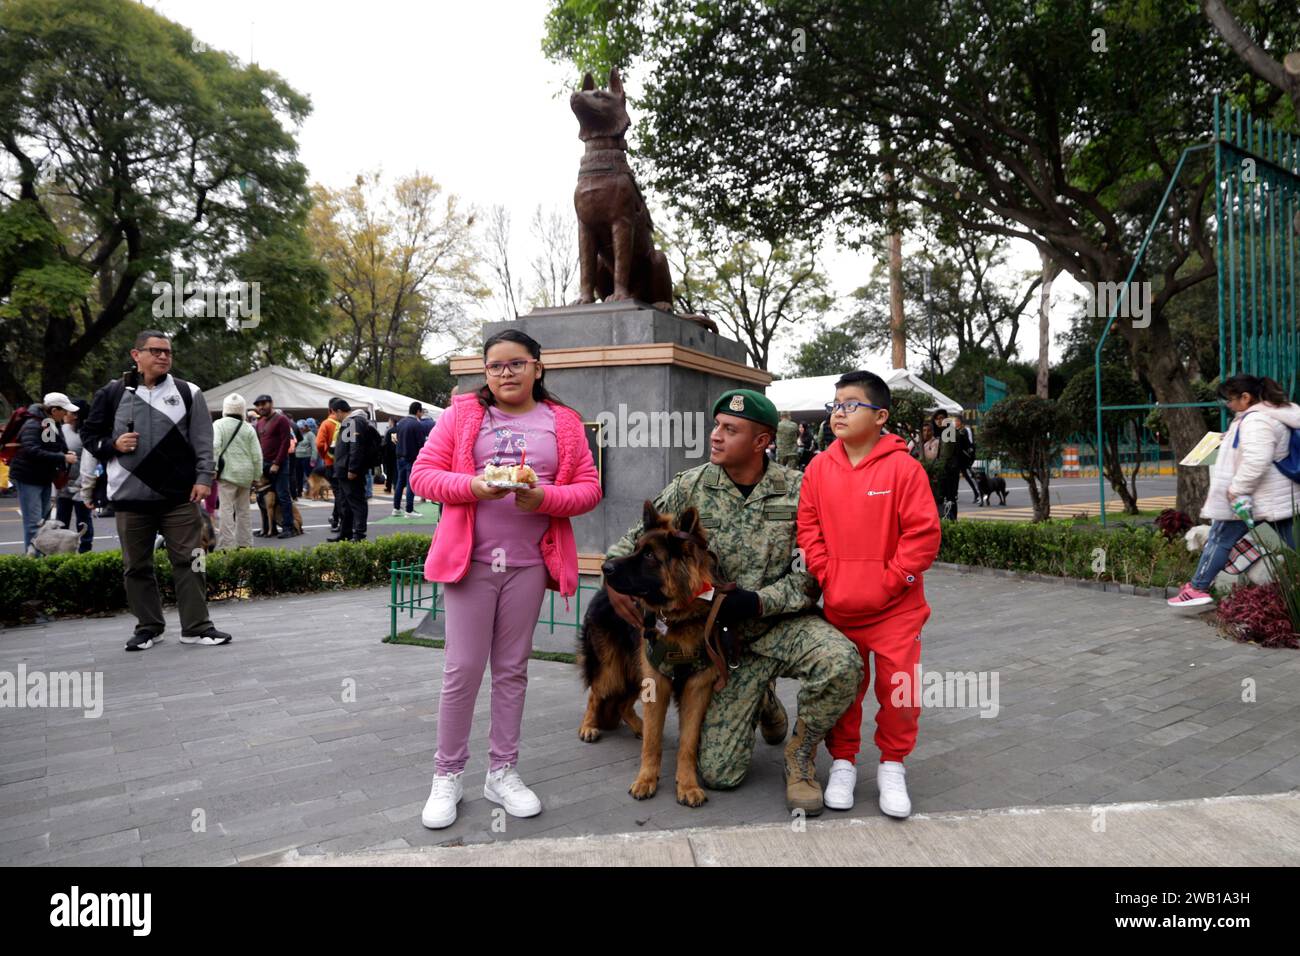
805, 648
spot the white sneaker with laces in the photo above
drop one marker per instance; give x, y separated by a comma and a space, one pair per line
440, 809
397, 512
891, 778
839, 788
505, 787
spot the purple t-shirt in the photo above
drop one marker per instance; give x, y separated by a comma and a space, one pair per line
500, 524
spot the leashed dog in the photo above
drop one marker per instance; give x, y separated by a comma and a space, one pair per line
988, 487
669, 570
269, 505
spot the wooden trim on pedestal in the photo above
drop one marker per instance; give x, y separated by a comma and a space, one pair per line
590, 563
650, 353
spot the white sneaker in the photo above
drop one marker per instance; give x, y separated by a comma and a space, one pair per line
440, 809
891, 778
838, 794
397, 512
412, 514
506, 788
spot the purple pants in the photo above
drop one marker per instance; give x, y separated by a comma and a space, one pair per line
489, 614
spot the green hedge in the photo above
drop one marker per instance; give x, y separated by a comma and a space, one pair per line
92, 583
1133, 555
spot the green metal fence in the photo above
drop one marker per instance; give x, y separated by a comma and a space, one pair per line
1257, 218
410, 595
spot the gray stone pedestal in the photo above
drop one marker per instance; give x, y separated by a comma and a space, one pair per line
649, 377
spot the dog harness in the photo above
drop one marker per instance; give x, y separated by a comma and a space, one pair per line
676, 664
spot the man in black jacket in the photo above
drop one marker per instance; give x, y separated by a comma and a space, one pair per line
41, 456
153, 433
356, 450
412, 432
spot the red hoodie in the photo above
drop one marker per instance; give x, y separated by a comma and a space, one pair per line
868, 532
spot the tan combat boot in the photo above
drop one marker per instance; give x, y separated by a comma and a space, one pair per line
772, 720
802, 791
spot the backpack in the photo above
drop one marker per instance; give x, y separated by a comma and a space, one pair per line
9, 446
1290, 465
372, 447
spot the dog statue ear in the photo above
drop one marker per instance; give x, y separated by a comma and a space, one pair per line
689, 520
588, 82
650, 516
615, 82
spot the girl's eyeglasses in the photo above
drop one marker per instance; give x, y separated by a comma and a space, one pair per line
848, 408
516, 366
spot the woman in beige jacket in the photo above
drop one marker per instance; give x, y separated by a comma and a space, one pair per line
1258, 436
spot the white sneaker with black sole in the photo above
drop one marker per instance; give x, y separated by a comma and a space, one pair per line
505, 787
210, 637
440, 808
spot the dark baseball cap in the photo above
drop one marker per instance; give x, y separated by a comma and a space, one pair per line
263, 398
340, 405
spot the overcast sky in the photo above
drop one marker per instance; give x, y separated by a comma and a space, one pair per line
460, 91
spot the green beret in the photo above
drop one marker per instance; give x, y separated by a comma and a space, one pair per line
747, 403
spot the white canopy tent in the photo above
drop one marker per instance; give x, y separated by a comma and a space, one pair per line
806, 398
305, 393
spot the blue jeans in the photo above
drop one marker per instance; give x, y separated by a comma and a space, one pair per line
280, 481
403, 481
1223, 535
34, 503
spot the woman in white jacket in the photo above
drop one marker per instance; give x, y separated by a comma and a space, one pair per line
1259, 435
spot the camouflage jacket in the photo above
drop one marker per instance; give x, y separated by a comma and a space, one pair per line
753, 538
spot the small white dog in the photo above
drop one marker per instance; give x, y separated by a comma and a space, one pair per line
1258, 573
52, 538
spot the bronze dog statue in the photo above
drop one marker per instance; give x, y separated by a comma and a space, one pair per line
617, 259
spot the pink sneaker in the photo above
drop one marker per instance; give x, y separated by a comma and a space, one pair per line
1189, 596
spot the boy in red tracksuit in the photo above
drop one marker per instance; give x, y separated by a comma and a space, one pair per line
868, 529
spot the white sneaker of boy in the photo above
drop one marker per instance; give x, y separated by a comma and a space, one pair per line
891, 778
839, 788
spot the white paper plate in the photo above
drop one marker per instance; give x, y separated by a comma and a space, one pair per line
516, 485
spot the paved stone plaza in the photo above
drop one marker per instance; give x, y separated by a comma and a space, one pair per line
1102, 698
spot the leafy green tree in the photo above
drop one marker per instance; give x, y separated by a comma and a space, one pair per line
1028, 431
1058, 123
829, 352
1079, 403
133, 152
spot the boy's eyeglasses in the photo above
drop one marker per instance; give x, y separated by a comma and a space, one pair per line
848, 408
516, 366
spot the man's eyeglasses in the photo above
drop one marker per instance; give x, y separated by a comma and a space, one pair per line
516, 366
848, 408
157, 352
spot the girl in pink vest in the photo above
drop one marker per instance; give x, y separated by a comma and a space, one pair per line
496, 551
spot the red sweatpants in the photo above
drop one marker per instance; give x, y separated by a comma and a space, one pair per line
896, 644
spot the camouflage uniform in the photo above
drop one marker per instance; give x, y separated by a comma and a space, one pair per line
754, 540
787, 443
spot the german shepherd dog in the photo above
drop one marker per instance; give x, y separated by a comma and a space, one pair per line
268, 504
988, 487
669, 568
318, 485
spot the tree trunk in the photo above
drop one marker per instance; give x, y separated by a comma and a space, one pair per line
896, 334
1115, 473
1050, 270
1155, 355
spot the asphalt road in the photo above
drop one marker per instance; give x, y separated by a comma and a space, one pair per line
315, 514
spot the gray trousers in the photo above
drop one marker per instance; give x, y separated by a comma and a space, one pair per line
182, 533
